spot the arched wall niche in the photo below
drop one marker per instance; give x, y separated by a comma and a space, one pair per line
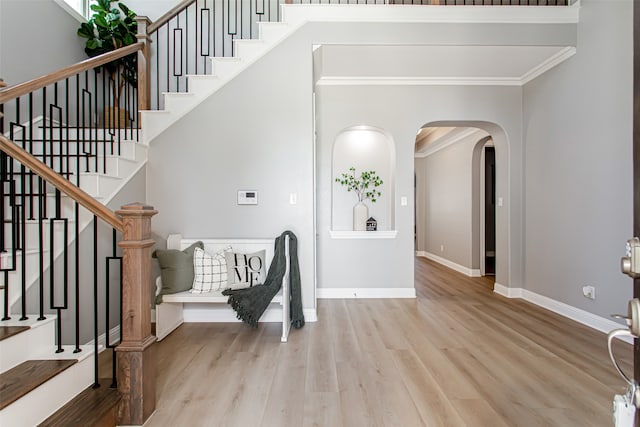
365, 148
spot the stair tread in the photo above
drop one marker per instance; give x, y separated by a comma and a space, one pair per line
9, 331
87, 408
20, 380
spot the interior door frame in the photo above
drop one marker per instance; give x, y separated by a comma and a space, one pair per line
483, 225
636, 163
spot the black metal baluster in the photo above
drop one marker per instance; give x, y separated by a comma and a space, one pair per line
213, 27
96, 383
186, 48
168, 53
157, 79
66, 154
233, 32
112, 346
52, 269
30, 150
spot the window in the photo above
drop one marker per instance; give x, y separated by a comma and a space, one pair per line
81, 7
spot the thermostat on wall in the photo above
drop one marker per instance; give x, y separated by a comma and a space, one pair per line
247, 197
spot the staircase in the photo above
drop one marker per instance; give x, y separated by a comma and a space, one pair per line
37, 378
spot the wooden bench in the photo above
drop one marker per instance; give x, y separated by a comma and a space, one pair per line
176, 309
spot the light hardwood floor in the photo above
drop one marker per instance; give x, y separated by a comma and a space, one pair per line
458, 355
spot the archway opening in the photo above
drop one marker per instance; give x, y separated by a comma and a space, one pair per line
461, 182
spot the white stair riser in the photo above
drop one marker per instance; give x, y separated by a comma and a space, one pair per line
203, 84
178, 102
272, 31
40, 403
154, 123
98, 185
248, 49
28, 344
226, 67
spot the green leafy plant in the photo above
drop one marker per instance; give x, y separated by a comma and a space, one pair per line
108, 29
365, 186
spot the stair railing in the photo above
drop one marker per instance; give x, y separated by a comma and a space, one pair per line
134, 356
54, 130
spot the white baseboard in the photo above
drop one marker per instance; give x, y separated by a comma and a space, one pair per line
471, 272
506, 291
591, 320
346, 293
310, 315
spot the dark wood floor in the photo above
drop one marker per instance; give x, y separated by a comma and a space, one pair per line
458, 355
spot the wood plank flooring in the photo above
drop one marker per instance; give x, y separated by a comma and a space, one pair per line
458, 355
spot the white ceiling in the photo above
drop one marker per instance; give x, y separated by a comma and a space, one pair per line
432, 139
427, 64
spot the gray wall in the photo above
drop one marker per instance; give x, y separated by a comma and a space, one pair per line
401, 111
252, 135
36, 37
445, 205
578, 162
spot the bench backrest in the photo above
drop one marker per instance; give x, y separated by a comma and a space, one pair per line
212, 246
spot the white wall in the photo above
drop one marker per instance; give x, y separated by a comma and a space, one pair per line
445, 202
152, 9
578, 162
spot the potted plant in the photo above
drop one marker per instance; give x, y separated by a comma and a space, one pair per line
366, 187
108, 29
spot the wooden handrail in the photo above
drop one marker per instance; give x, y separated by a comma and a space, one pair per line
13, 92
169, 15
65, 186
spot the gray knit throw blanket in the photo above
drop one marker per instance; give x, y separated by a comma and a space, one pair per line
250, 303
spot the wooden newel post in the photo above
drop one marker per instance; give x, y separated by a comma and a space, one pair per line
136, 354
144, 65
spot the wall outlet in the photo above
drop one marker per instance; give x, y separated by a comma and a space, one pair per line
441, 248
589, 292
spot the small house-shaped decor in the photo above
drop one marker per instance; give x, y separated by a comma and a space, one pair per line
372, 224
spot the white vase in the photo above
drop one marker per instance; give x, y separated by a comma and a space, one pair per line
360, 216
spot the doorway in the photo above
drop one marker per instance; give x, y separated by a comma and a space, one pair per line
488, 208
456, 195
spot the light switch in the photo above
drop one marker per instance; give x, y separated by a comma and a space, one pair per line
500, 203
403, 201
293, 198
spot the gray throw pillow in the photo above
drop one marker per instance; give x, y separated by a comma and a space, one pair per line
176, 269
245, 270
